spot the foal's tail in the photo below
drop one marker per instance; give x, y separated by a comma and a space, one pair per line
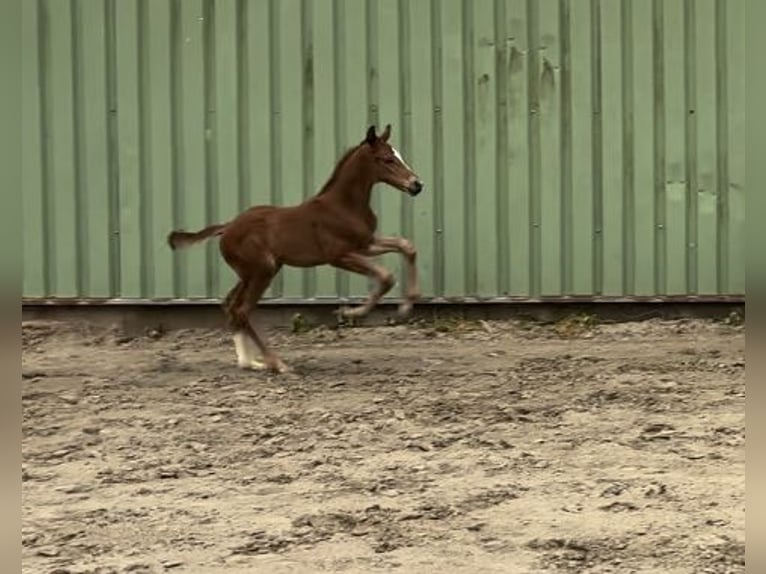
181, 239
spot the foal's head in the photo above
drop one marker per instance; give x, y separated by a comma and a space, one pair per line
389, 166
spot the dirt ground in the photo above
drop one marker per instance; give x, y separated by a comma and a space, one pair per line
447, 446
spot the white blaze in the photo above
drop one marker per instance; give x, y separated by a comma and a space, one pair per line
400, 158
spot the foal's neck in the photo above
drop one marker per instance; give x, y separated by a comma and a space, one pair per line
353, 185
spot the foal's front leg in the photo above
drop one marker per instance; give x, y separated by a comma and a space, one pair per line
382, 245
358, 263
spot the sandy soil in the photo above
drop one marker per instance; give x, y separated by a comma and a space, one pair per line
444, 447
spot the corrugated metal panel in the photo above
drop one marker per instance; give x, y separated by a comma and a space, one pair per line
588, 148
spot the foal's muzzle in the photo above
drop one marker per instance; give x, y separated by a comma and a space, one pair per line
415, 188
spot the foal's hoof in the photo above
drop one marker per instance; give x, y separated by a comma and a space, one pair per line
350, 313
278, 367
251, 365
404, 310
344, 312
275, 366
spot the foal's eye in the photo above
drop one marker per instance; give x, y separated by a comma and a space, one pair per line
390, 160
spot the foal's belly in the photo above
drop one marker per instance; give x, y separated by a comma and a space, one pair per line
303, 249
299, 239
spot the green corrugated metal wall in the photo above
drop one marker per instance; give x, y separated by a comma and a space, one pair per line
569, 147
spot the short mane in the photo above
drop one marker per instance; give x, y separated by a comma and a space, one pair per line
341, 162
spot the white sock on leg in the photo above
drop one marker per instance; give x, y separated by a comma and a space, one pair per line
246, 352
240, 345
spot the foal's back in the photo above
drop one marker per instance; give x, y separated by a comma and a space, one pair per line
305, 235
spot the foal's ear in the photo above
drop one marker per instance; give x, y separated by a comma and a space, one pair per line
386, 133
371, 138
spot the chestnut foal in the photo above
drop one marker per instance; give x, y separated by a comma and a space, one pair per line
335, 227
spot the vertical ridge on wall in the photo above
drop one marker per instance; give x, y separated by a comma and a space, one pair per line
660, 172
484, 235
356, 100
517, 161
598, 148
437, 185
469, 159
324, 113
276, 288
628, 149
454, 146
211, 138
420, 143
612, 166
49, 252
722, 147
63, 172
643, 133
291, 124
158, 134
706, 147
194, 190
568, 148
549, 112
309, 133
35, 281
406, 213
49, 230
82, 264
501, 149
174, 41
112, 147
386, 15
371, 47
96, 161
339, 65
371, 39
242, 42
145, 153
533, 95
33, 198
228, 192
675, 148
257, 94
130, 150
735, 190
690, 92
580, 237
567, 233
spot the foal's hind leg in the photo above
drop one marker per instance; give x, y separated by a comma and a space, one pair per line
226, 303
244, 347
360, 264
243, 301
